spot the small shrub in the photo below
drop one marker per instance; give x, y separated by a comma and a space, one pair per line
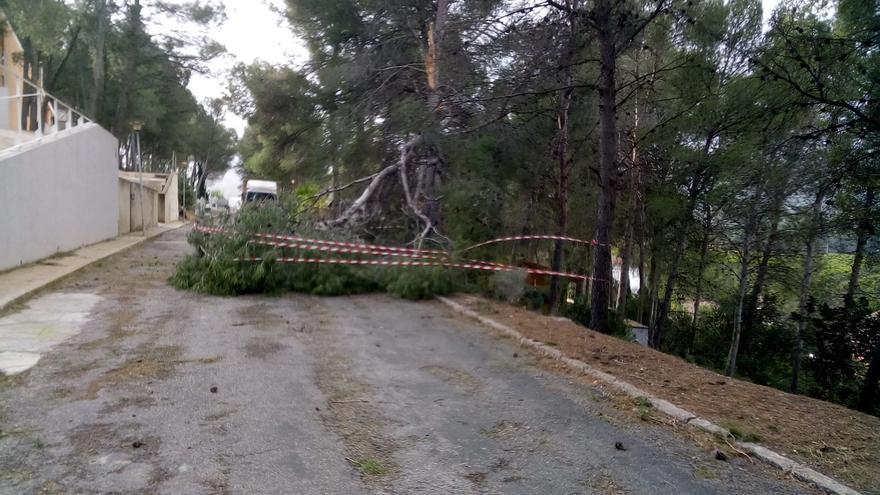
535, 299
578, 311
510, 286
644, 407
744, 436
420, 283
371, 467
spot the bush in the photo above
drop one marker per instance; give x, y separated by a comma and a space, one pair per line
535, 299
510, 286
579, 312
420, 283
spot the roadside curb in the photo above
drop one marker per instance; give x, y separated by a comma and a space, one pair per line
766, 455
30, 291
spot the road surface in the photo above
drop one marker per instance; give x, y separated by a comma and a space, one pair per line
169, 392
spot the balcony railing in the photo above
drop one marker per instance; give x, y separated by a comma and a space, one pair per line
33, 112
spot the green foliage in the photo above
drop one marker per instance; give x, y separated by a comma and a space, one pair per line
765, 353
99, 57
734, 133
841, 344
832, 277
371, 467
644, 407
186, 196
420, 283
579, 312
536, 299
510, 286
215, 269
744, 436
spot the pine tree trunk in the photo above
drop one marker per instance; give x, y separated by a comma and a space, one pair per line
806, 284
654, 284
560, 154
862, 235
424, 200
750, 311
96, 97
29, 71
625, 264
698, 291
751, 225
201, 189
641, 233
655, 332
643, 284
868, 394
632, 212
130, 69
607, 167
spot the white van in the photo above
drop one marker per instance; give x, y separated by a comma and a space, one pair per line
260, 190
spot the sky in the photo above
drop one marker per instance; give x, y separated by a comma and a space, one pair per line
255, 30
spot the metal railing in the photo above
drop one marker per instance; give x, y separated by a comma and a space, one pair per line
36, 111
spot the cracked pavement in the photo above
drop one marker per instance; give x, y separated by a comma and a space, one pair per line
168, 392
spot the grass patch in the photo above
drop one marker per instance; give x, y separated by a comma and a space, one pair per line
705, 473
12, 308
644, 407
151, 364
208, 360
371, 467
744, 436
9, 381
477, 478
61, 254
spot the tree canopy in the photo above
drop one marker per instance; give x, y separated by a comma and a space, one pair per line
731, 165
102, 57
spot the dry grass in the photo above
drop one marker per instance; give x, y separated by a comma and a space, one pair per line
154, 363
119, 324
350, 415
466, 382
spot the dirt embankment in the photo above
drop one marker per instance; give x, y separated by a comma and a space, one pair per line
832, 439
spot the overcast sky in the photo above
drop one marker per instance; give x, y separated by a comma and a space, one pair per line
255, 31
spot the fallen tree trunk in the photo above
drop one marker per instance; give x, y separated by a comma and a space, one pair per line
357, 209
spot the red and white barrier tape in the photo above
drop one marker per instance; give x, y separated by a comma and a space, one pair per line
411, 250
313, 245
470, 266
440, 257
533, 238
208, 230
394, 249
373, 252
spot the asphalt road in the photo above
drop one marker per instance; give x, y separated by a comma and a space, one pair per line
164, 391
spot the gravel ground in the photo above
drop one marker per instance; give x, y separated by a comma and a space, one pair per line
165, 391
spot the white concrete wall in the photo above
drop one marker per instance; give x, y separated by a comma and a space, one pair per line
57, 193
172, 202
124, 207
150, 204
